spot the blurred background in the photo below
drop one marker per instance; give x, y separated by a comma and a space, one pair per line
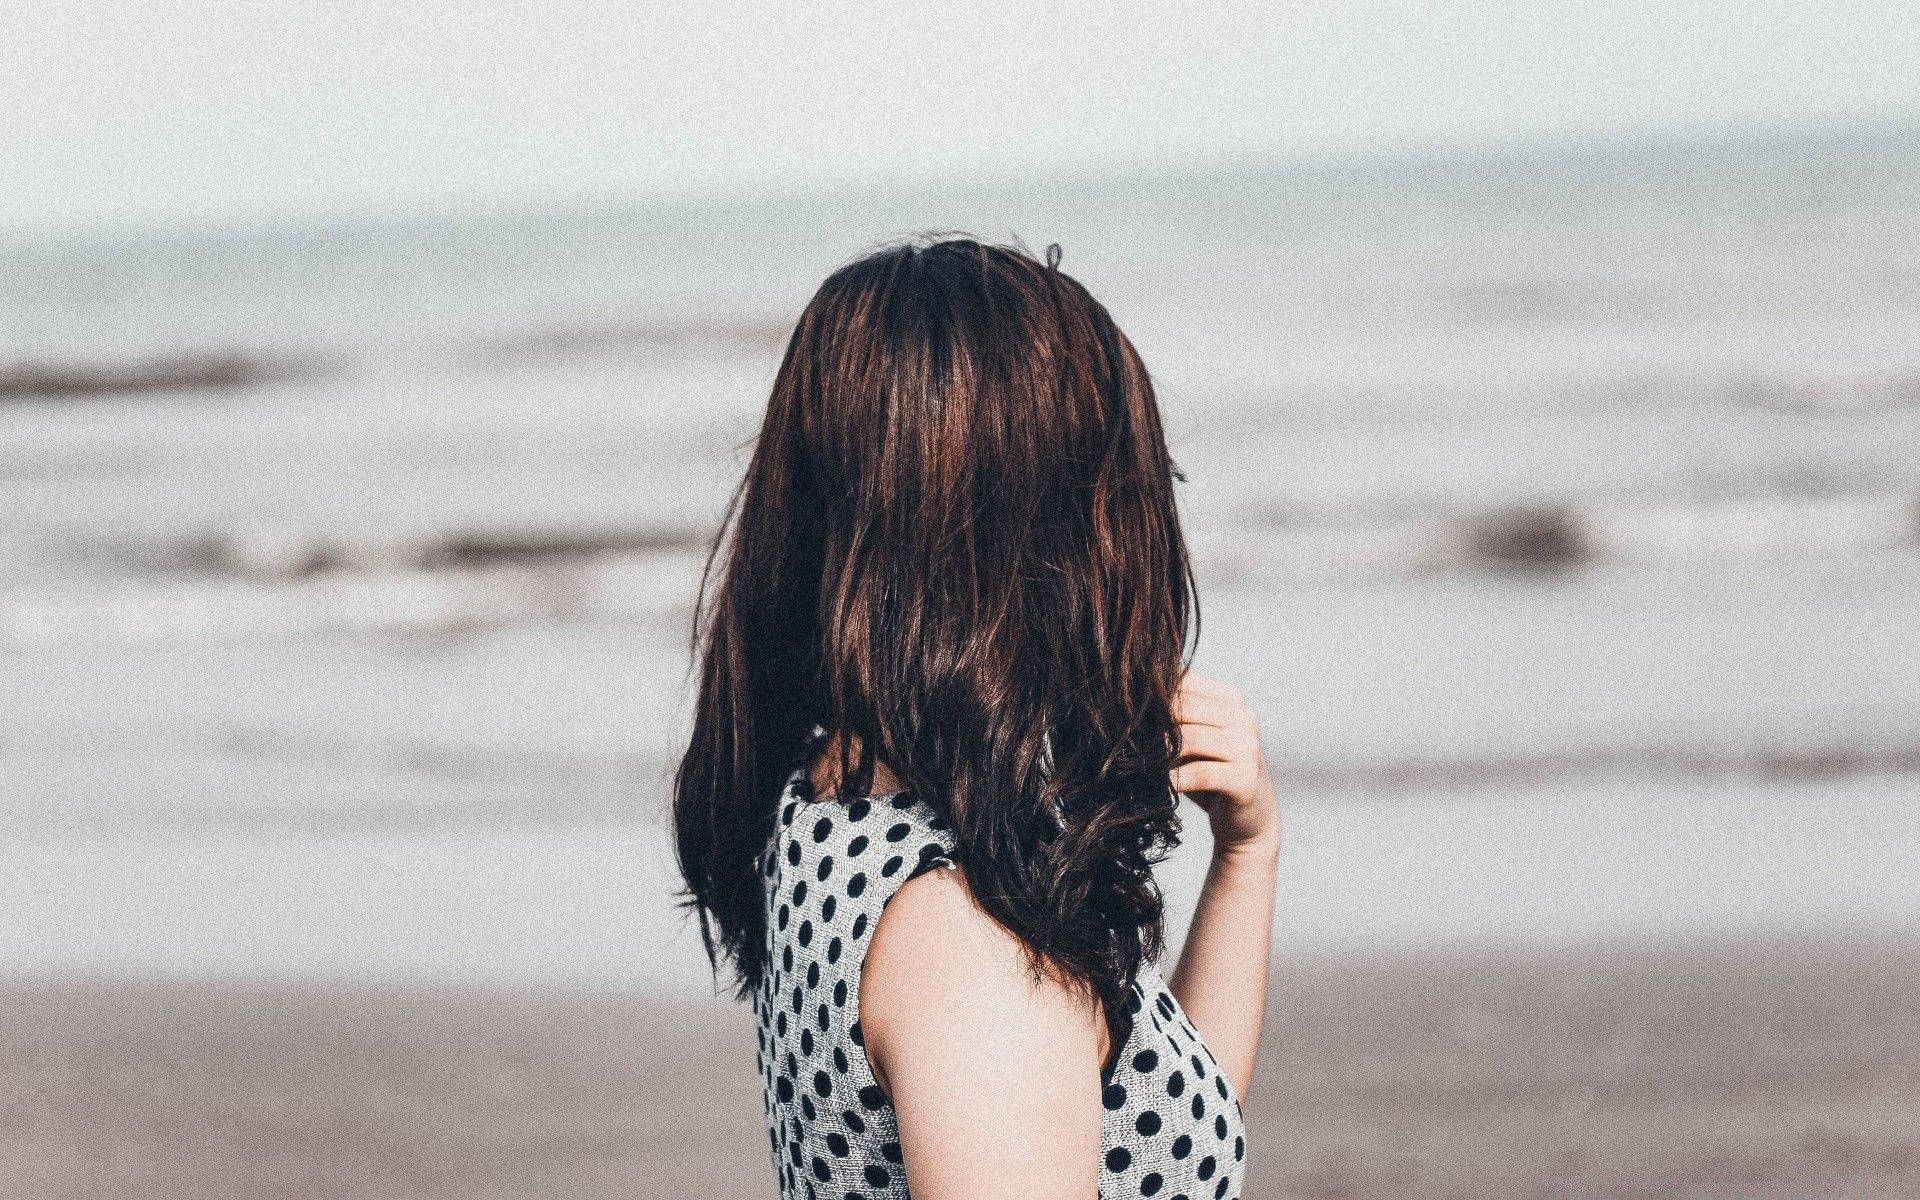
1548, 378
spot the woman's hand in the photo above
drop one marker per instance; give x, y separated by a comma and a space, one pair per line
1221, 978
1221, 766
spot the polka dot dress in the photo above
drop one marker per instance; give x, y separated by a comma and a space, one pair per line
1172, 1126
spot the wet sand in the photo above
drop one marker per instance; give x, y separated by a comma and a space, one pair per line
1783, 1068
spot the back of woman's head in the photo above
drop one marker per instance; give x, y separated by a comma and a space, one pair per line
956, 541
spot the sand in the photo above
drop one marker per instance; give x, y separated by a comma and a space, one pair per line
1773, 1069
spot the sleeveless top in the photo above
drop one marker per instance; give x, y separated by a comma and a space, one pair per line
1172, 1125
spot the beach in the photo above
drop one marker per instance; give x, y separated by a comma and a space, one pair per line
1743, 1070
1557, 510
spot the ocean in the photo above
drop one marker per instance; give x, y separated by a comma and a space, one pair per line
1558, 510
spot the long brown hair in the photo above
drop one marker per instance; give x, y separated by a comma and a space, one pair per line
957, 541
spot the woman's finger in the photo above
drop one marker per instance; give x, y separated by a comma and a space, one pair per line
1201, 709
1208, 742
1207, 686
1202, 775
1213, 775
1212, 707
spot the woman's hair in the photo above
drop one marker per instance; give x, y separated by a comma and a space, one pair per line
956, 541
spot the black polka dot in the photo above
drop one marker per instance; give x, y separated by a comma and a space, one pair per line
826, 868
1206, 1168
1182, 1146
858, 809
877, 1175
1114, 1097
838, 1145
890, 1151
1150, 1183
856, 885
892, 867
822, 829
1148, 1123
800, 893
1176, 1083
872, 1097
857, 845
897, 832
1118, 1159
822, 1084
1145, 1061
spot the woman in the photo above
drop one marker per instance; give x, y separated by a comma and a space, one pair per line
941, 722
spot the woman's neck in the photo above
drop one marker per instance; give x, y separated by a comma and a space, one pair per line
824, 771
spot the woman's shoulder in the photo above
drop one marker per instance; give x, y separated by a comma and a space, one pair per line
937, 948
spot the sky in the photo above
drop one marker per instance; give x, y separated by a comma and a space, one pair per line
218, 111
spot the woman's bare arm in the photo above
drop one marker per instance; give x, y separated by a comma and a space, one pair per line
1221, 978
995, 1078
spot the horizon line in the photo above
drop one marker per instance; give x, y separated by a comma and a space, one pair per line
478, 208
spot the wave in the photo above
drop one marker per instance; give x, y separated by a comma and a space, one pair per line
224, 371
265, 584
1750, 763
378, 601
419, 785
1263, 410
279, 554
1558, 537
725, 332
215, 372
